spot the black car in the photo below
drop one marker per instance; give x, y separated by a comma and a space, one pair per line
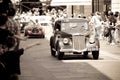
74, 36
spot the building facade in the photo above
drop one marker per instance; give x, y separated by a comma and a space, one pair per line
84, 9
115, 5
96, 5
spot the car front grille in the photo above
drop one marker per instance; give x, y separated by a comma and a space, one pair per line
35, 30
78, 42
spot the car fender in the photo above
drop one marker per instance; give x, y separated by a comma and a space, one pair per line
52, 41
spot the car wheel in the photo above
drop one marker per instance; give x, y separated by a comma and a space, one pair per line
95, 54
59, 54
43, 36
85, 54
53, 53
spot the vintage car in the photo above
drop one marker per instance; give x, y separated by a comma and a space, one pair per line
34, 30
74, 36
38, 26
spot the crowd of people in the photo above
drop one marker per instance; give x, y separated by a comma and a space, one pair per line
107, 26
54, 13
10, 37
9, 42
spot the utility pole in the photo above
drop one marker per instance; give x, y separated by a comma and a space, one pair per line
72, 11
92, 6
98, 5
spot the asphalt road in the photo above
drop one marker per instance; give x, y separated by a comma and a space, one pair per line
38, 64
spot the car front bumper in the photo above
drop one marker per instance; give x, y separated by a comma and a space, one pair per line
89, 49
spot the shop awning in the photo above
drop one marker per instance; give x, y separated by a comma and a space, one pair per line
70, 2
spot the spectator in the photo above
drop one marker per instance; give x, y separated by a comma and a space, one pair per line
7, 58
14, 26
112, 22
96, 20
10, 53
117, 28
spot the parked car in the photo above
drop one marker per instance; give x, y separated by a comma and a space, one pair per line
74, 36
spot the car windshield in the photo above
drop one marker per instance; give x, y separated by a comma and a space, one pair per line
44, 24
74, 27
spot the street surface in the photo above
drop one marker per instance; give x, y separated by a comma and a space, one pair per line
38, 64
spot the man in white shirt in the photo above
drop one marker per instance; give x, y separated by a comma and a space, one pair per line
96, 21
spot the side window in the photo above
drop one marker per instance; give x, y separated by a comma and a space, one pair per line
57, 25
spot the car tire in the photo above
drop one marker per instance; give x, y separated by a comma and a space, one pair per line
53, 53
51, 41
85, 54
95, 54
43, 36
59, 54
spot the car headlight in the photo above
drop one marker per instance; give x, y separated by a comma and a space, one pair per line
66, 40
